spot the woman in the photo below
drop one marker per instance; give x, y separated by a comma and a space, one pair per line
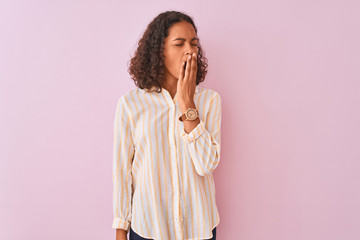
167, 138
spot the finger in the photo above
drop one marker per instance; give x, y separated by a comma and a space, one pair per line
188, 65
182, 70
193, 67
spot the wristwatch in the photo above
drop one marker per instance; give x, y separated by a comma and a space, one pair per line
191, 114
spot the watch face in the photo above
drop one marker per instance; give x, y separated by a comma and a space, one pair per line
191, 114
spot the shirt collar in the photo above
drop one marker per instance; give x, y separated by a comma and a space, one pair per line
196, 89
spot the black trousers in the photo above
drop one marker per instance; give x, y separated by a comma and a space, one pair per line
135, 236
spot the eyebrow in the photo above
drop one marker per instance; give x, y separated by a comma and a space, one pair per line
183, 39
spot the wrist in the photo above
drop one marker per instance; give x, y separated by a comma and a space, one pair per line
121, 234
186, 105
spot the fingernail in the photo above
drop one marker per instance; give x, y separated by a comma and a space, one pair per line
189, 57
194, 54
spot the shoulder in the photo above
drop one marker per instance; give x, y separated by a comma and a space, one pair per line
124, 98
210, 94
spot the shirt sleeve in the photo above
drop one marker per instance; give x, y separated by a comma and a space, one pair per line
204, 140
123, 152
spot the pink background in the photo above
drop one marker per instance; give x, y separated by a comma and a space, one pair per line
287, 72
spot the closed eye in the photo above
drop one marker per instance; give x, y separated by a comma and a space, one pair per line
182, 44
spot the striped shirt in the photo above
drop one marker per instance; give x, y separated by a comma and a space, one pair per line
162, 176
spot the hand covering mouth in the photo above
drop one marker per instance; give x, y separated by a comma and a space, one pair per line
185, 60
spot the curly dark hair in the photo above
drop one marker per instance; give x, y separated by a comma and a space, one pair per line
147, 66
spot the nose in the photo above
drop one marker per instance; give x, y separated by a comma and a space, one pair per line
190, 50
189, 53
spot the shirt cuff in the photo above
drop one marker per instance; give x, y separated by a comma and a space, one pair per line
194, 134
119, 223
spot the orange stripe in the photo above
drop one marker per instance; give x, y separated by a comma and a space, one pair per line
152, 171
164, 168
144, 184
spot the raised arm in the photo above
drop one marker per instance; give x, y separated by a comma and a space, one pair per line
204, 140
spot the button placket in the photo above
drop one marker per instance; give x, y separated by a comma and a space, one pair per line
175, 172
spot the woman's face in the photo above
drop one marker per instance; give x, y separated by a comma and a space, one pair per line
182, 39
